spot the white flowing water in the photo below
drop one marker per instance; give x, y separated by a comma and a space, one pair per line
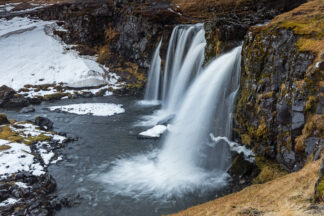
187, 162
183, 64
153, 83
184, 59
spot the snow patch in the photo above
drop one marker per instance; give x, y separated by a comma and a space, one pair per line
18, 158
154, 132
96, 109
21, 184
9, 201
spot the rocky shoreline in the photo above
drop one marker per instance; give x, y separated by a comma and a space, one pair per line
27, 149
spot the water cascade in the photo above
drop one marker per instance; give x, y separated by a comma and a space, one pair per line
184, 59
153, 83
189, 160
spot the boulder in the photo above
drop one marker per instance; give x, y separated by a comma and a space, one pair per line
44, 123
319, 186
298, 120
311, 144
27, 110
3, 119
16, 101
6, 94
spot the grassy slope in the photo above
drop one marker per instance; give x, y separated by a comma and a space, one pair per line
288, 195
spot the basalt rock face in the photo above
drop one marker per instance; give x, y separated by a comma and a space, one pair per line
9, 98
278, 112
85, 21
228, 27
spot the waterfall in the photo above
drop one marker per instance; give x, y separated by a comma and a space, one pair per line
189, 161
153, 83
208, 105
184, 59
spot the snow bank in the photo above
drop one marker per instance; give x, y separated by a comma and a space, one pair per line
31, 55
9, 201
154, 132
96, 109
18, 158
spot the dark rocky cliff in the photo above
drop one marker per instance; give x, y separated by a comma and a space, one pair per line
280, 108
125, 33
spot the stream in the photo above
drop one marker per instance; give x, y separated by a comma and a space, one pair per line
101, 141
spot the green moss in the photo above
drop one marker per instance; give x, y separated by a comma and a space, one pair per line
269, 170
319, 189
3, 119
311, 103
39, 138
7, 134
246, 139
56, 96
262, 131
4, 147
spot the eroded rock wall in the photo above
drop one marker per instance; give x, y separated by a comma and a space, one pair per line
279, 111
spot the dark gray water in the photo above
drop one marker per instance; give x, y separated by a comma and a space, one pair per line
101, 141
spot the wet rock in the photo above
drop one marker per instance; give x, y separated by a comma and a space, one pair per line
283, 115
320, 106
35, 100
6, 94
311, 144
71, 200
321, 65
48, 183
166, 120
319, 186
298, 120
319, 150
3, 119
87, 94
27, 110
287, 159
241, 167
16, 101
44, 123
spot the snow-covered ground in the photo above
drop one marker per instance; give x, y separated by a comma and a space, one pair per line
17, 157
154, 132
30, 54
96, 109
14, 8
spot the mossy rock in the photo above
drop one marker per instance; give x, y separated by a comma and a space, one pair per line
56, 96
7, 134
4, 147
319, 186
3, 119
241, 167
39, 138
270, 170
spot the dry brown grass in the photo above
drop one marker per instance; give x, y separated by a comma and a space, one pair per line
288, 195
201, 8
307, 21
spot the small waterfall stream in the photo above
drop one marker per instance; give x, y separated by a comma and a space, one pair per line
192, 158
184, 59
153, 83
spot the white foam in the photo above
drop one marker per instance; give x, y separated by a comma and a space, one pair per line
154, 132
